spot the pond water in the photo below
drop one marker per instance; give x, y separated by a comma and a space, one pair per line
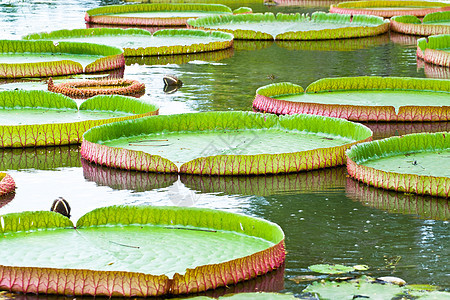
327, 217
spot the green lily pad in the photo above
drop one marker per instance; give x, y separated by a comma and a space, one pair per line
410, 163
39, 118
435, 49
140, 42
136, 251
362, 287
20, 59
226, 143
331, 269
368, 98
433, 23
153, 14
318, 26
388, 9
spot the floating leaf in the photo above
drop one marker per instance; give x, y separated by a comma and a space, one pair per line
330, 269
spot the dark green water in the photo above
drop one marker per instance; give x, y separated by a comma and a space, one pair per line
327, 217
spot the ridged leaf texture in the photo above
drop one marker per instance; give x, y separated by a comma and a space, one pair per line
441, 41
437, 17
22, 98
29, 220
116, 9
407, 19
378, 83
367, 4
118, 103
65, 33
278, 89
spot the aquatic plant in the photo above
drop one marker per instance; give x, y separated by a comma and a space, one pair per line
104, 58
434, 23
325, 97
46, 133
388, 9
318, 26
134, 14
223, 143
7, 184
434, 50
140, 42
83, 89
254, 247
411, 163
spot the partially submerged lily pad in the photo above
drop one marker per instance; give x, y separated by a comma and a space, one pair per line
223, 143
46, 58
388, 9
434, 23
82, 89
140, 42
423, 207
361, 99
135, 251
7, 184
318, 26
39, 118
435, 49
153, 14
411, 163
331, 269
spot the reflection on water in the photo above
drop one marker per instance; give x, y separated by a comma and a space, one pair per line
385, 129
322, 222
312, 181
433, 71
5, 199
425, 207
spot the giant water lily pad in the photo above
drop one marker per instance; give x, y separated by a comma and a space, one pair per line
388, 9
140, 42
153, 14
318, 26
7, 184
223, 143
361, 99
425, 207
435, 49
39, 118
411, 163
434, 23
135, 251
46, 58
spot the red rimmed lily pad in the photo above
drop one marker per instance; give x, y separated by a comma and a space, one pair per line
411, 163
361, 99
388, 9
435, 49
140, 42
153, 14
39, 118
46, 58
223, 143
110, 253
7, 184
318, 26
89, 88
434, 23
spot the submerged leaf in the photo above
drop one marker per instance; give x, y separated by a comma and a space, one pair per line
330, 269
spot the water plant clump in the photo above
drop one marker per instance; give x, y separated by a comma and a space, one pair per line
40, 118
388, 9
435, 49
46, 58
223, 143
83, 89
140, 42
410, 163
153, 14
7, 184
108, 250
318, 26
432, 24
367, 98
